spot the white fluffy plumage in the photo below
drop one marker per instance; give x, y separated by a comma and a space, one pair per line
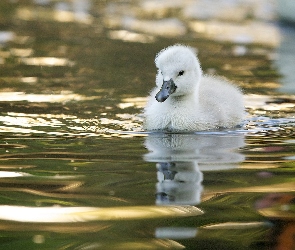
186, 100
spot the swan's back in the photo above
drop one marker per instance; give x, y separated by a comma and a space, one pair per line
221, 100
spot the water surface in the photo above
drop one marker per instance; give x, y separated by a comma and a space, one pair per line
77, 171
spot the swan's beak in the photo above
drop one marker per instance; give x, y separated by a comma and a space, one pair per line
166, 90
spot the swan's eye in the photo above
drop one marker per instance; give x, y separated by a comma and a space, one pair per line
180, 73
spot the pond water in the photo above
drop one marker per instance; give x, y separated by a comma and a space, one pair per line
77, 171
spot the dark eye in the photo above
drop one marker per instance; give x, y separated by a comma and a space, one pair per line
180, 73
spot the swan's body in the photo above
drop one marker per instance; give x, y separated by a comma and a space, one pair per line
184, 100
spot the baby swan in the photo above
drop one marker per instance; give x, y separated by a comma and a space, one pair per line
186, 100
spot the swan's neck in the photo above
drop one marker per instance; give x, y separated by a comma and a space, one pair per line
181, 100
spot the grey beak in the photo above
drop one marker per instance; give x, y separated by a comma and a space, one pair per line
166, 90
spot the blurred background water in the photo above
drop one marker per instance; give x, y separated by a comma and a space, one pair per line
77, 171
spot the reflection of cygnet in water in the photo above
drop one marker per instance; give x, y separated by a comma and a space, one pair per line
179, 183
181, 157
209, 151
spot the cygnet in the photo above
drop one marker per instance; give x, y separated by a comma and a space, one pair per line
185, 100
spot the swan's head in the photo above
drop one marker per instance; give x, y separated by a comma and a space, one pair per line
179, 72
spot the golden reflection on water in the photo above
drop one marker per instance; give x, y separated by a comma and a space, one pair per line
46, 61
64, 96
61, 116
235, 225
85, 214
29, 79
287, 187
5, 129
79, 13
250, 32
137, 102
29, 121
8, 174
128, 36
264, 109
21, 52
170, 27
20, 122
285, 212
